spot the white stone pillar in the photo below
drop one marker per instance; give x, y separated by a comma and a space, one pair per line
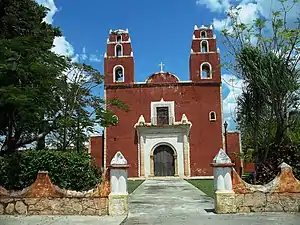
118, 197
142, 157
224, 195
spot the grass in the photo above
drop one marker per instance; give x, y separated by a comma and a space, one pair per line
207, 186
133, 184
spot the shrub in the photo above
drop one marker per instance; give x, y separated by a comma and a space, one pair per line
67, 169
288, 153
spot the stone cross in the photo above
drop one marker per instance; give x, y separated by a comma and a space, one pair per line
161, 67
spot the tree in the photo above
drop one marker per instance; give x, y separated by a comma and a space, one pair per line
28, 74
43, 96
265, 55
80, 107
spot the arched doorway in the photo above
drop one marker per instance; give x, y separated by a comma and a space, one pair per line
164, 161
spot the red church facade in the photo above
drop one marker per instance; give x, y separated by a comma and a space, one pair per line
173, 127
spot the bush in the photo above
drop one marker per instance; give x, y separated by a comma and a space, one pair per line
67, 169
288, 153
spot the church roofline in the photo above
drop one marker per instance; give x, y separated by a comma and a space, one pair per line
144, 84
157, 73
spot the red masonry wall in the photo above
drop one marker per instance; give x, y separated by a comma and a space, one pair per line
96, 147
194, 100
233, 143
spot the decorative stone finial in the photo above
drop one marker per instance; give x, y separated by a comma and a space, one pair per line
129, 39
214, 36
131, 54
194, 37
222, 157
105, 55
162, 100
284, 166
107, 41
218, 50
192, 51
110, 31
184, 119
118, 159
141, 120
211, 27
127, 30
196, 27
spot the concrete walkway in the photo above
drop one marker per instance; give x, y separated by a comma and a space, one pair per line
178, 202
61, 220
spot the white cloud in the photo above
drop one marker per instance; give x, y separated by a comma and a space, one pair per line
220, 24
83, 56
250, 10
235, 86
248, 13
52, 9
215, 5
62, 47
95, 58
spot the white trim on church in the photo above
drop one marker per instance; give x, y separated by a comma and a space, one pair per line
175, 135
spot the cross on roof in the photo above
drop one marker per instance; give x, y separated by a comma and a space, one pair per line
161, 67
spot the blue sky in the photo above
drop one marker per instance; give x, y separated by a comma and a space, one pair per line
160, 30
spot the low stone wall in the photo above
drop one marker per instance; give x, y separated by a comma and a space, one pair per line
280, 195
54, 206
233, 195
44, 198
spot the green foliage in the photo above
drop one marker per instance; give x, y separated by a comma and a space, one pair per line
265, 54
67, 169
246, 155
28, 74
288, 153
44, 98
76, 106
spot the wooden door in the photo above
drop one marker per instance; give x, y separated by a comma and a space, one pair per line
164, 161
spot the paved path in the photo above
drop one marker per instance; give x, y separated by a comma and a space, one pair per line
175, 202
61, 220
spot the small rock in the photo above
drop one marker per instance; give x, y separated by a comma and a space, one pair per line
10, 208
21, 208
77, 207
1, 209
31, 201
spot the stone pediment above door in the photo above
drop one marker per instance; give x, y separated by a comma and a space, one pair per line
184, 123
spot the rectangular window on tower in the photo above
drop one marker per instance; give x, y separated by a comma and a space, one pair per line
162, 115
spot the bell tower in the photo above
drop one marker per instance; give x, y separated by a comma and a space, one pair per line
118, 59
205, 57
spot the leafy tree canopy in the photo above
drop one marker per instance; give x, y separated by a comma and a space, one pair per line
44, 97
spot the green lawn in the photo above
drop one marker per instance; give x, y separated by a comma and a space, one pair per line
133, 184
207, 186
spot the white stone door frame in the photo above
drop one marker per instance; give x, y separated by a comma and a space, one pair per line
151, 136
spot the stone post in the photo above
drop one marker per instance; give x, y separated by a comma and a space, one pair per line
224, 195
118, 197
